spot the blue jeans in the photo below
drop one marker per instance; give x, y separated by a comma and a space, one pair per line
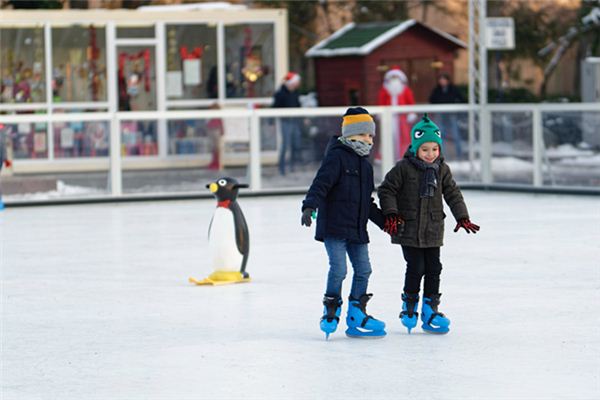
359, 257
449, 126
291, 135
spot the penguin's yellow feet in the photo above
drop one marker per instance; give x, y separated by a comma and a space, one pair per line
221, 278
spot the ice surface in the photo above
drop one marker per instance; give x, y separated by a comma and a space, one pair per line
96, 305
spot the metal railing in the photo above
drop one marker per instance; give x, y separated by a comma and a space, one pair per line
480, 141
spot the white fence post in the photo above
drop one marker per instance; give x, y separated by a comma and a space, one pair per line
115, 165
387, 142
485, 137
537, 147
471, 140
255, 164
116, 172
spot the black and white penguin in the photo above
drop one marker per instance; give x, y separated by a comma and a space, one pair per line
228, 238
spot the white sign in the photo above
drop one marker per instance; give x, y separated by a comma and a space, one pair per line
174, 84
499, 33
67, 138
191, 72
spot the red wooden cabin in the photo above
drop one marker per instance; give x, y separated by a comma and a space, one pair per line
350, 64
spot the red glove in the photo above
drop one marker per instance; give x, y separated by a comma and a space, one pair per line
467, 225
8, 163
391, 224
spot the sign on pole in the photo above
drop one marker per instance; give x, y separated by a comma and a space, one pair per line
500, 33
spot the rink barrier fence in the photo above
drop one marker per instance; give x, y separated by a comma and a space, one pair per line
254, 116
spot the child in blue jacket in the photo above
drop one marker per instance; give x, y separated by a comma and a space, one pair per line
341, 192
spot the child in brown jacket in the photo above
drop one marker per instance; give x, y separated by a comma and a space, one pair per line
411, 200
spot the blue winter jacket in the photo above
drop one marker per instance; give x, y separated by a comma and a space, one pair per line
341, 193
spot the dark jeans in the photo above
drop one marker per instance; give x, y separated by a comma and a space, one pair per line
291, 134
419, 262
449, 126
359, 257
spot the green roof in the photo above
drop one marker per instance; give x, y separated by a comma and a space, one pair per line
360, 35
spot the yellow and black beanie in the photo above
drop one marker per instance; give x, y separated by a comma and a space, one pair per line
356, 121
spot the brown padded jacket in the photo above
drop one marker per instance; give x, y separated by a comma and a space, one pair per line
423, 217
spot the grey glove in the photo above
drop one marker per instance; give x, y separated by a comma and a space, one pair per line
307, 214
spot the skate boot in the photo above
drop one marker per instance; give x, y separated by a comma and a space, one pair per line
433, 321
360, 324
409, 316
331, 314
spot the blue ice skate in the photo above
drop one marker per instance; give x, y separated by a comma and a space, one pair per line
433, 321
360, 324
331, 314
409, 316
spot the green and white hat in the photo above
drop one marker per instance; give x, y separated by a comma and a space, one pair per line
424, 131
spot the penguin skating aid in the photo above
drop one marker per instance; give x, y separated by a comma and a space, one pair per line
228, 237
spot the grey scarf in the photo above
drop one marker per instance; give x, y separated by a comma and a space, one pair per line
429, 175
359, 147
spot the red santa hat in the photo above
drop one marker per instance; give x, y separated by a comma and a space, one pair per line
291, 78
396, 72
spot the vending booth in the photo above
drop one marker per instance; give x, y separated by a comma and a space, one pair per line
100, 63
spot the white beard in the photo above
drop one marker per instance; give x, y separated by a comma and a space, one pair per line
394, 87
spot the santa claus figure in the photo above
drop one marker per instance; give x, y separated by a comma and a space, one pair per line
395, 92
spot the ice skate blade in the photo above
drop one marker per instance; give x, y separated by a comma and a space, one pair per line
356, 333
327, 329
409, 323
435, 331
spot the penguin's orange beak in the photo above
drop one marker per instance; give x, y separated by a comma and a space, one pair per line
213, 187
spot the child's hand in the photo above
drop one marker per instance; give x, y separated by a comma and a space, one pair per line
391, 224
307, 214
467, 225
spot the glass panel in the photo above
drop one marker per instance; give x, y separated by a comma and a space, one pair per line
197, 136
135, 32
22, 65
191, 62
512, 147
572, 149
250, 60
137, 78
455, 148
292, 150
56, 185
199, 152
139, 138
81, 139
79, 64
28, 140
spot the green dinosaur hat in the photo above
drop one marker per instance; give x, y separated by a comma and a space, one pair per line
424, 131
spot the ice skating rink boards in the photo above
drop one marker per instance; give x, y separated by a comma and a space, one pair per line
96, 305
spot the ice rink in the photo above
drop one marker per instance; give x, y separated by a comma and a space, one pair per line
96, 305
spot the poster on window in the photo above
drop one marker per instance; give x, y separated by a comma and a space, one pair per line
39, 142
191, 72
67, 138
24, 128
174, 84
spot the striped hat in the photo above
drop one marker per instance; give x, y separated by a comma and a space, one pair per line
357, 121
